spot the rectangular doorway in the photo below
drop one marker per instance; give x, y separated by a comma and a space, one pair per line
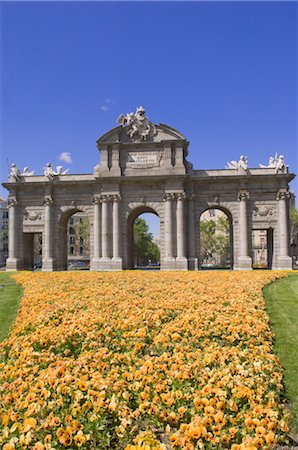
262, 248
32, 251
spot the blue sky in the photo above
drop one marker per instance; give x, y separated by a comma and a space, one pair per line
223, 73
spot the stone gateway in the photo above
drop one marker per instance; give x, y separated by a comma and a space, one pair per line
143, 168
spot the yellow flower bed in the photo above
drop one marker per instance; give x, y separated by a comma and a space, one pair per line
141, 360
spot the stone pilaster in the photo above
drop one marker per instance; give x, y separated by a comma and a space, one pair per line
192, 260
12, 261
244, 261
95, 263
47, 260
116, 260
105, 245
284, 261
181, 261
169, 260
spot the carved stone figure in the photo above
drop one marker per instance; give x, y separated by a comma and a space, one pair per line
139, 126
276, 162
27, 173
241, 164
280, 164
48, 171
59, 171
15, 172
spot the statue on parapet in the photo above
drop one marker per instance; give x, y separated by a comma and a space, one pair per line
276, 162
15, 172
241, 164
27, 173
139, 126
49, 172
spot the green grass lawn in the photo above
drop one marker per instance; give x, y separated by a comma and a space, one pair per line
282, 306
10, 296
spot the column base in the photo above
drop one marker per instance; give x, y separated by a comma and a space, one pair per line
284, 263
168, 263
108, 264
95, 264
243, 263
192, 263
181, 263
47, 265
12, 264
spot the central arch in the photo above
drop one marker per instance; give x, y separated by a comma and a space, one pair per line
216, 257
134, 214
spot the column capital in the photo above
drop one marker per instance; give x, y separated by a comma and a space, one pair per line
95, 200
181, 196
48, 200
105, 198
243, 195
12, 201
169, 196
283, 195
116, 198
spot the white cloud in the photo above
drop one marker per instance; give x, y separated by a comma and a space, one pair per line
108, 103
65, 156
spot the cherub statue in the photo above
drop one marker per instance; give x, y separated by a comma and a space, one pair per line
15, 172
26, 172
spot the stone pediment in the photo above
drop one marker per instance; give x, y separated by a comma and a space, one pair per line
160, 133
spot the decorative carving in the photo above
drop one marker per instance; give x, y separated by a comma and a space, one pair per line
32, 215
241, 164
277, 163
95, 200
243, 196
48, 200
263, 211
103, 198
139, 126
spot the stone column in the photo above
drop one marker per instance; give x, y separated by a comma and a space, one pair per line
105, 227
181, 259
47, 260
284, 261
192, 260
116, 228
12, 260
244, 260
96, 234
168, 199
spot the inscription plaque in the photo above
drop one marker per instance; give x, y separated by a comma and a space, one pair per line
143, 159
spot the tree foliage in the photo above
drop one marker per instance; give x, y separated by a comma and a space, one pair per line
215, 240
145, 250
84, 234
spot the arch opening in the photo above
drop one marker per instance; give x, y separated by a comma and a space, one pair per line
143, 239
74, 242
216, 239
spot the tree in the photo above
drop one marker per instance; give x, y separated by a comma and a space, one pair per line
215, 239
84, 234
145, 250
294, 229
